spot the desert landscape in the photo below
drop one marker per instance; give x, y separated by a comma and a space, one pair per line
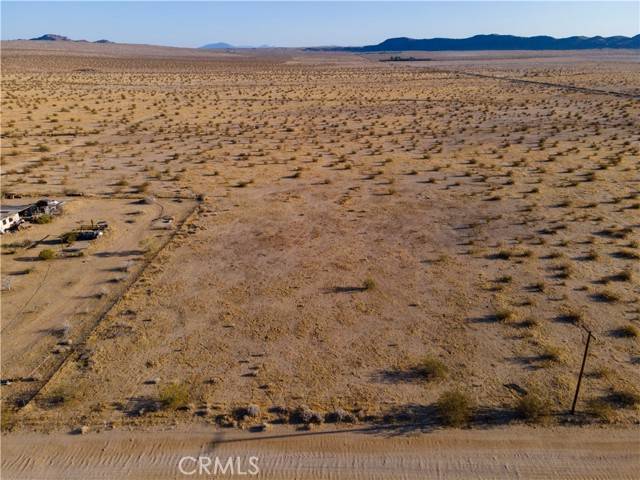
298, 238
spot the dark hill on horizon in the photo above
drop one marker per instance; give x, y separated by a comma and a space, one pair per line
52, 37
493, 42
217, 45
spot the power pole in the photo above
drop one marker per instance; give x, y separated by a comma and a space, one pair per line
584, 361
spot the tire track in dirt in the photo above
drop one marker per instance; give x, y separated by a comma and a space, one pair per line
563, 86
370, 453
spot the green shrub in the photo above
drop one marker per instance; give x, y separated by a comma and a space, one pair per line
432, 369
174, 395
69, 237
455, 408
533, 407
46, 254
44, 218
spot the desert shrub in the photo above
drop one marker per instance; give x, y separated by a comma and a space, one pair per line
250, 411
44, 218
503, 315
552, 353
591, 256
18, 244
432, 369
369, 284
529, 323
628, 331
340, 416
607, 296
69, 237
304, 414
572, 316
564, 271
60, 396
624, 398
7, 419
623, 276
46, 254
599, 408
627, 254
455, 408
532, 407
174, 395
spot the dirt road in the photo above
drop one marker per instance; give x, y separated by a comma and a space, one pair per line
516, 452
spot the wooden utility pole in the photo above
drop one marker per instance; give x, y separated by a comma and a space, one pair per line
584, 360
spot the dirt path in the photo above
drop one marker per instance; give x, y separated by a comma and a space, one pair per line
573, 88
516, 452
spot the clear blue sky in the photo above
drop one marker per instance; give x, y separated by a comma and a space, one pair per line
192, 24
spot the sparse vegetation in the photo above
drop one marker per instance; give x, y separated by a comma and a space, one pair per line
46, 254
432, 369
600, 409
369, 284
395, 213
504, 315
455, 408
624, 398
629, 331
43, 219
174, 395
533, 407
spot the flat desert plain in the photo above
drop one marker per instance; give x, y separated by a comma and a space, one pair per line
309, 237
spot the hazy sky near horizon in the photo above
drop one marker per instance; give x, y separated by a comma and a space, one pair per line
298, 24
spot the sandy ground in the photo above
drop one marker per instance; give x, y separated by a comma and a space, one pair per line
356, 219
456, 454
48, 305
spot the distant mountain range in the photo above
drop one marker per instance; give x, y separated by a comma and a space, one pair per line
52, 37
477, 42
493, 42
223, 45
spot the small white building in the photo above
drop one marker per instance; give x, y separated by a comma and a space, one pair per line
13, 215
9, 218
